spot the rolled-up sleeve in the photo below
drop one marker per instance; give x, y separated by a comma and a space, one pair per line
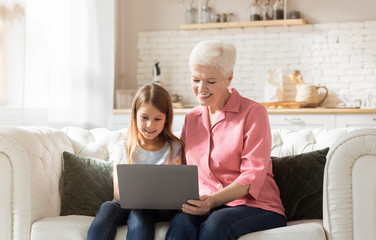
255, 155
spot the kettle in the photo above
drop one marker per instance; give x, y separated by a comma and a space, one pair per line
156, 73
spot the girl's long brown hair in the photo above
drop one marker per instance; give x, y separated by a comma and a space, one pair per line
159, 98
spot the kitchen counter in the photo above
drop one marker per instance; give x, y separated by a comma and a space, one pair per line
284, 111
322, 110
288, 118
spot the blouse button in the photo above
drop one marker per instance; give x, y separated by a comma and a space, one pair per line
218, 186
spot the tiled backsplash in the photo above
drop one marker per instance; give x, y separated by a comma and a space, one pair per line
337, 55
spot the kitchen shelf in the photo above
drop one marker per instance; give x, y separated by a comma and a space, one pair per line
221, 25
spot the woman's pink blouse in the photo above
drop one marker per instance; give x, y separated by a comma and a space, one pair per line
236, 148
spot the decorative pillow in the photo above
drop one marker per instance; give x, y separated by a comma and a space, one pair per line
300, 182
87, 184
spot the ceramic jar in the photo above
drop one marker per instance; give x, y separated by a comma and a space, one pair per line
309, 95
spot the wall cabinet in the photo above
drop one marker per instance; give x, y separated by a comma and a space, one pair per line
324, 118
299, 121
356, 120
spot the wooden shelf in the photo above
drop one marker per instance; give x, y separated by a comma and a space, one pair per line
267, 23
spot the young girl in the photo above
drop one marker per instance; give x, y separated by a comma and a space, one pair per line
149, 140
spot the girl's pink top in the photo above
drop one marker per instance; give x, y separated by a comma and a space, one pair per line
236, 148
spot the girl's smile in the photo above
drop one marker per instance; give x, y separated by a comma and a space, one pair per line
150, 123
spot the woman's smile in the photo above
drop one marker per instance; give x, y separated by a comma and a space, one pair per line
204, 95
210, 86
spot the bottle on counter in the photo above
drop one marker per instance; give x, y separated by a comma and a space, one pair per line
156, 74
255, 11
278, 10
266, 10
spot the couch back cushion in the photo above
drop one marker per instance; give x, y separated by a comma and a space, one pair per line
287, 142
96, 143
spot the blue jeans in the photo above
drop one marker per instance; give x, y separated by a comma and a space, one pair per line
106, 220
140, 222
223, 223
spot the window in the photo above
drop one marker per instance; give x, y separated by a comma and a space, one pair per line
57, 62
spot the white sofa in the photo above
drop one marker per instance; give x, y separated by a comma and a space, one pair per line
31, 169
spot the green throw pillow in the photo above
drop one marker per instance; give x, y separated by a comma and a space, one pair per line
87, 184
300, 181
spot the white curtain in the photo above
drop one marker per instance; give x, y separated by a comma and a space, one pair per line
59, 62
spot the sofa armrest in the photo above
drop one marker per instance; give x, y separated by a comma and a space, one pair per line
14, 190
30, 172
350, 187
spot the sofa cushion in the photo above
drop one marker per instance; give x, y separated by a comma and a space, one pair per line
87, 184
76, 227
295, 230
300, 181
61, 228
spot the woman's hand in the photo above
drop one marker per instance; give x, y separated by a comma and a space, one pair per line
199, 207
228, 194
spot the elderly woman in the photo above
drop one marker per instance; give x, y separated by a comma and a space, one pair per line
228, 137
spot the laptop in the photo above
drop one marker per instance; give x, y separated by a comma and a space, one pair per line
149, 186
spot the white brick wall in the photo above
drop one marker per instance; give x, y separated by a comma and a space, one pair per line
337, 55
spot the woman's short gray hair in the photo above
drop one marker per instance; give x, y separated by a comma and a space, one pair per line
215, 53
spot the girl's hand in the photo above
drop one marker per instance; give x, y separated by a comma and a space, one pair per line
199, 207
